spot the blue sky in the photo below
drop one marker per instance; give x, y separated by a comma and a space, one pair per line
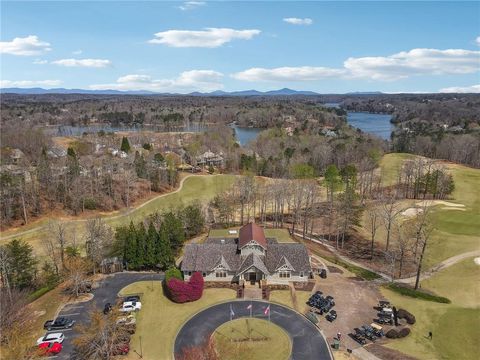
329, 47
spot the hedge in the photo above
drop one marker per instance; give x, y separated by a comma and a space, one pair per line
181, 291
418, 294
173, 272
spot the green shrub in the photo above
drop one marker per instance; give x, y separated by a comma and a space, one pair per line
173, 272
90, 204
418, 294
38, 293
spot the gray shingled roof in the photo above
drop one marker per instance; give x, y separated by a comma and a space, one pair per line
204, 257
252, 260
296, 254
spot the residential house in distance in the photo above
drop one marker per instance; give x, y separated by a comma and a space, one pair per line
210, 158
251, 257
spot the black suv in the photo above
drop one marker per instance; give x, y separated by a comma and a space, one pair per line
58, 323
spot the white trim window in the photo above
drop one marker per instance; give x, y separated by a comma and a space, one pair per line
220, 274
301, 274
284, 274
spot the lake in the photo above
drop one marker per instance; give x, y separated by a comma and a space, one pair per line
244, 134
376, 124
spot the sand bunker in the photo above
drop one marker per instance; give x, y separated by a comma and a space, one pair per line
477, 260
440, 202
453, 208
411, 212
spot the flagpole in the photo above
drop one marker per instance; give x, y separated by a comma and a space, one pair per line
250, 309
269, 311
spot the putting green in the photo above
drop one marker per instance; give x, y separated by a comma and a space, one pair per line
252, 339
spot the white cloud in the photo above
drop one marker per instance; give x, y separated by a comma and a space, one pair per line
477, 40
461, 89
77, 52
91, 63
415, 62
27, 46
207, 38
187, 81
40, 62
302, 73
28, 83
298, 21
190, 5
386, 68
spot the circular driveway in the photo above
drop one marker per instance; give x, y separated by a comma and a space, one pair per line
307, 342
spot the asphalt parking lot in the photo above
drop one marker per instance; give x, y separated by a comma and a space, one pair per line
106, 292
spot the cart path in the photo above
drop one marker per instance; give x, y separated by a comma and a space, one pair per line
308, 343
113, 217
424, 275
441, 266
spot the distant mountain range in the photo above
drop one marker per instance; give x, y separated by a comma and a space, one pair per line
280, 92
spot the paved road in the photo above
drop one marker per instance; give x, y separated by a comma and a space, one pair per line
308, 343
106, 292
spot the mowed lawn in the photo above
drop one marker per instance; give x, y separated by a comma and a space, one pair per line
201, 188
455, 326
456, 231
281, 235
231, 340
160, 319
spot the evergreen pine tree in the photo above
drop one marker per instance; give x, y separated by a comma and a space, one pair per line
150, 247
163, 251
131, 248
174, 228
141, 235
125, 145
21, 264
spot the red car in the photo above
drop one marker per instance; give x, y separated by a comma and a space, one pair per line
48, 348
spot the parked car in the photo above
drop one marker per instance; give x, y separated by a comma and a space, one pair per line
51, 338
368, 332
331, 316
49, 348
131, 298
107, 308
377, 330
385, 320
131, 306
59, 323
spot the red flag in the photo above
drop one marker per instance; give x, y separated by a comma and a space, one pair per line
267, 310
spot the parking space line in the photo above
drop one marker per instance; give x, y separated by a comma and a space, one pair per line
59, 330
73, 307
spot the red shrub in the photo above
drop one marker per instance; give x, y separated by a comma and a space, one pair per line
181, 291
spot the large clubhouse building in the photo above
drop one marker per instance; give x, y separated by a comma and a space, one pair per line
251, 257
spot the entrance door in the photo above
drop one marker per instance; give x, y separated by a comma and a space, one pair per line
253, 278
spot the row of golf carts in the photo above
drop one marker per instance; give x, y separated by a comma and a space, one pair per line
374, 331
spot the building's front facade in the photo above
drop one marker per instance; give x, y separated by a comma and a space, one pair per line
252, 257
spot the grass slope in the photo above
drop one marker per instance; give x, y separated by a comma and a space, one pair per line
454, 326
160, 319
456, 231
195, 188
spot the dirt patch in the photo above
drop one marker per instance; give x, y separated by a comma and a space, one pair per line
335, 270
385, 353
354, 304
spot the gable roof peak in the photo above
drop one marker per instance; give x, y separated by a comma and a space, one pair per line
249, 232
